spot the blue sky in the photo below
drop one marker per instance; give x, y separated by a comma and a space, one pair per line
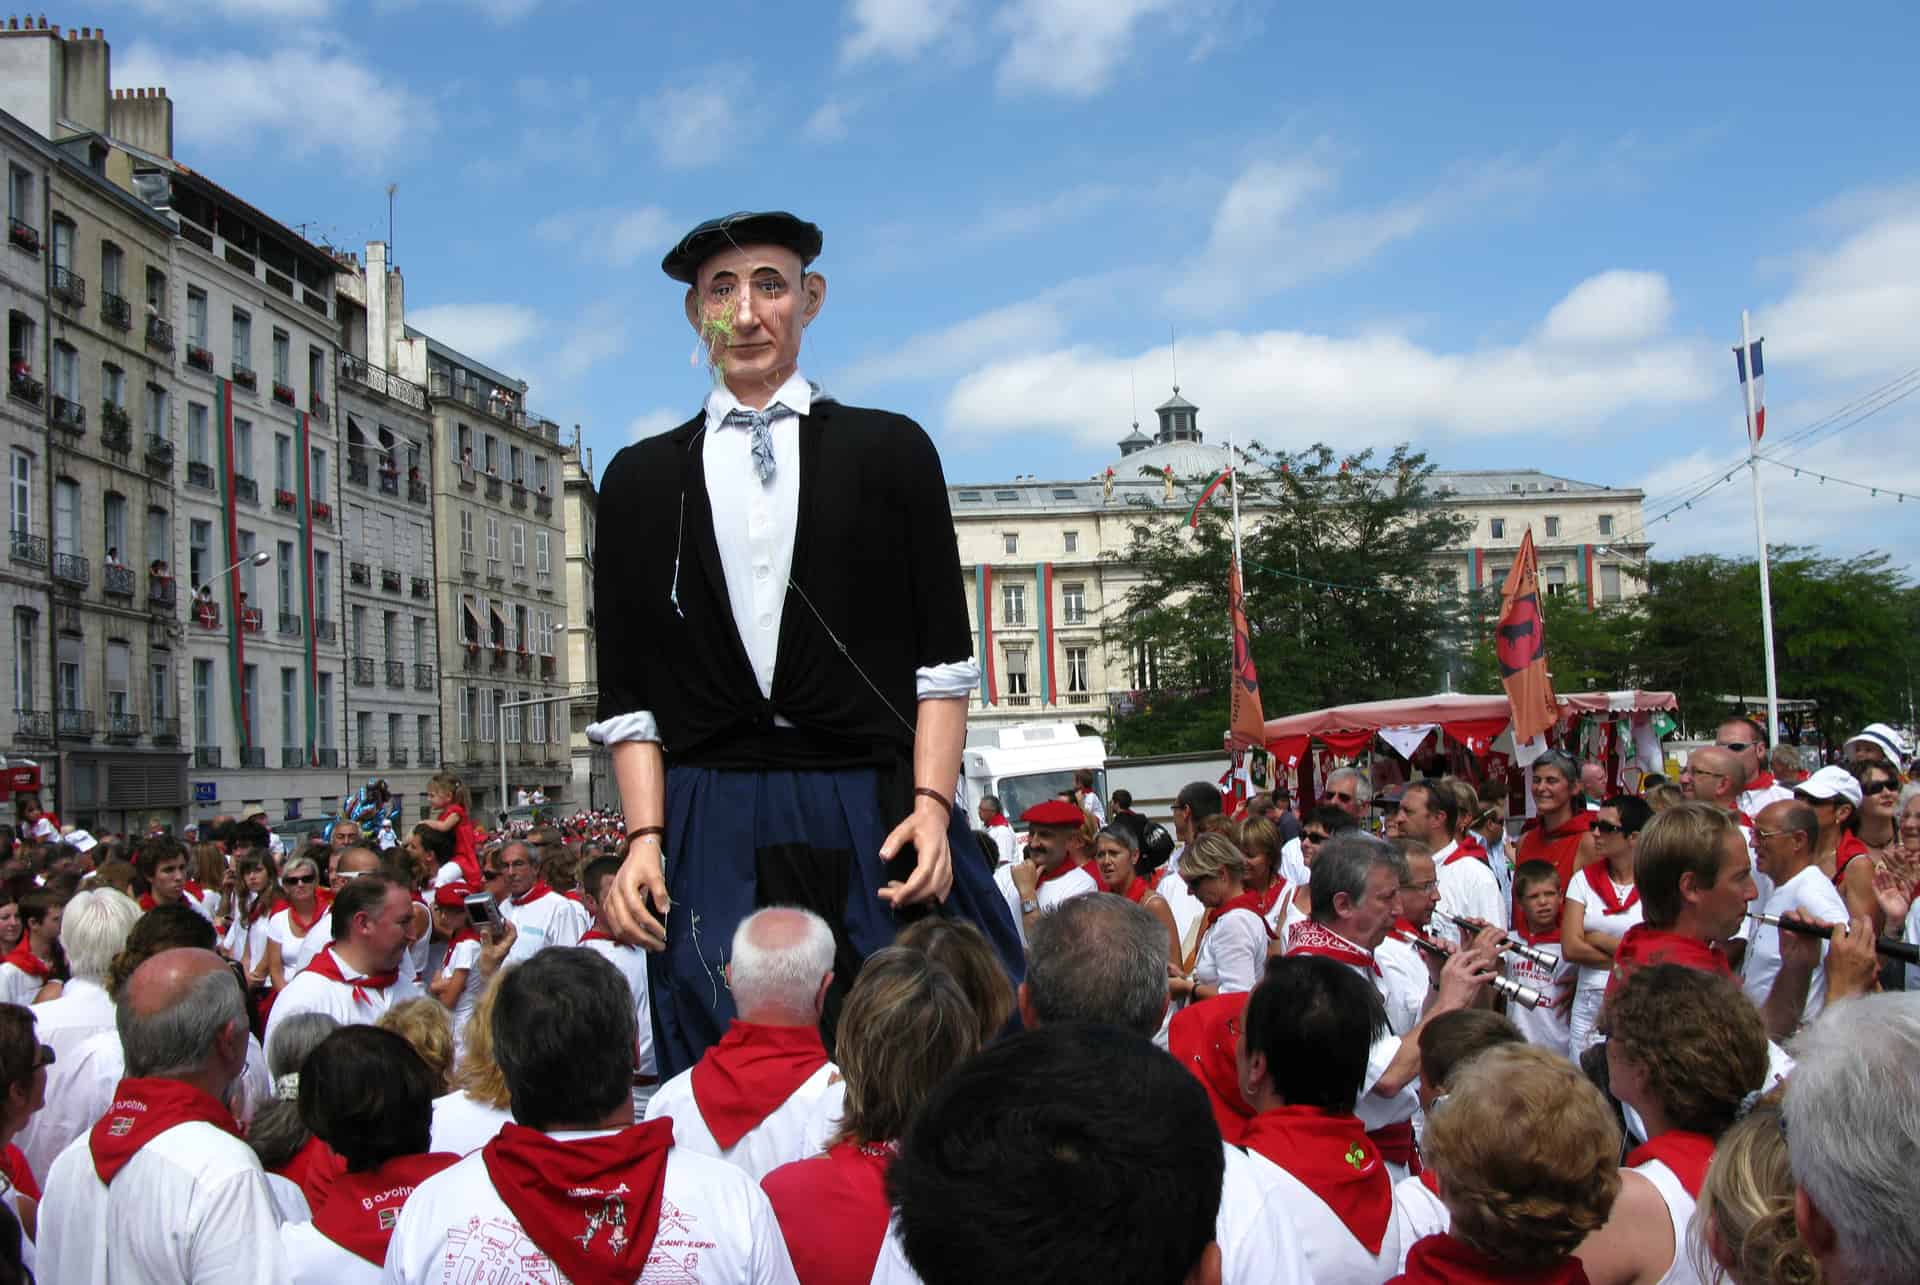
1511, 235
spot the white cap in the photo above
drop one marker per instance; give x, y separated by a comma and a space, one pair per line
1831, 783
1890, 742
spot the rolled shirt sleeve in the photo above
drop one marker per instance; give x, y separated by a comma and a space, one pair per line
953, 679
636, 726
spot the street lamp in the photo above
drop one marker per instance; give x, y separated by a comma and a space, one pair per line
500, 731
259, 559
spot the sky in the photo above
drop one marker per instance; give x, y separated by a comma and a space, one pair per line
1510, 237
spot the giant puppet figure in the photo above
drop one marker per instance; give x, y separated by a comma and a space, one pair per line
784, 653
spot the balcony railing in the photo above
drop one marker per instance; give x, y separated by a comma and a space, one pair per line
519, 497
160, 591
69, 414
396, 673
416, 490
317, 408
360, 573
496, 570
160, 334
246, 490
498, 660
366, 755
423, 678
291, 626
396, 757
159, 454
284, 501
493, 487
71, 569
389, 482
522, 663
74, 724
116, 311
206, 756
117, 581
363, 671
322, 512
326, 756
425, 754
23, 385
255, 757
246, 377
23, 236
499, 405
420, 587
200, 475
123, 727
543, 581
543, 506
322, 629
253, 620
69, 287
292, 756
404, 391
469, 562
29, 550
166, 731
116, 426
471, 660
283, 393
389, 580
200, 358
548, 664
357, 472
32, 725
206, 613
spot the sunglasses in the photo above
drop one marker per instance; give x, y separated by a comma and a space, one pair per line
493, 874
294, 881
1308, 836
1738, 747
1608, 827
1341, 798
1878, 787
42, 1058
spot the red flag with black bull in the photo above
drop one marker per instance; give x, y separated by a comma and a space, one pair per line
1520, 644
1246, 723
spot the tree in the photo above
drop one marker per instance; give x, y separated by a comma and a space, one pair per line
1342, 600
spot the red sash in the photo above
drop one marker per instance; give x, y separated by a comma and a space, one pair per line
1332, 1156
1600, 878
833, 1211
1642, 946
325, 965
1201, 1038
1687, 1154
141, 1111
23, 958
361, 1209
750, 1072
592, 1205
1309, 937
1447, 1260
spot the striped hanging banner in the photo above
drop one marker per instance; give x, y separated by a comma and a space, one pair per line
983, 589
306, 578
1193, 518
236, 637
1043, 582
1474, 569
1586, 571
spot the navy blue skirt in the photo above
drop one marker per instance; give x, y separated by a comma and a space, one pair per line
740, 840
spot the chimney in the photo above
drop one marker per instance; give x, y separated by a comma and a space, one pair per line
143, 118
379, 350
87, 78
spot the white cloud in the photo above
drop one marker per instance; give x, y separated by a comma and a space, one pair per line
1618, 307
493, 332
899, 29
616, 237
691, 127
829, 121
298, 102
653, 423
270, 10
1290, 388
598, 334
1854, 309
965, 344
1070, 47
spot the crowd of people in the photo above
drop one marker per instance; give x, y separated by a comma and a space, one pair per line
1369, 1039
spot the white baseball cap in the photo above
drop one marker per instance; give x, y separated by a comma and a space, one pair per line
1890, 742
1831, 783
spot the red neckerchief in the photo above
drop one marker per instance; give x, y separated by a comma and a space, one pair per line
1559, 846
1430, 1179
1470, 844
1000, 820
322, 898
361, 1209
1642, 946
745, 1077
1849, 847
1062, 870
594, 934
1333, 1157
465, 934
13, 1162
195, 889
1398, 1146
1600, 879
1271, 898
1309, 937
532, 894
833, 1210
141, 1111
1761, 781
592, 1205
1248, 900
23, 958
313, 1169
1686, 1153
1547, 937
1445, 1259
148, 903
1137, 891
325, 965
574, 896
1201, 1038
1474, 853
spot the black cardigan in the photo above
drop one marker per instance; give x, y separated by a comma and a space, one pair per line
874, 551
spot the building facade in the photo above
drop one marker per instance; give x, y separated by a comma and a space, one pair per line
592, 767
1046, 576
501, 598
386, 506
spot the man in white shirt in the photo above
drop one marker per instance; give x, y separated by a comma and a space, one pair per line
92, 933
574, 1189
765, 1094
1468, 889
1786, 835
1348, 789
162, 1189
994, 818
357, 977
1196, 801
630, 960
1048, 875
540, 915
1742, 738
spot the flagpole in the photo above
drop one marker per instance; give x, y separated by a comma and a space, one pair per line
1760, 531
1233, 485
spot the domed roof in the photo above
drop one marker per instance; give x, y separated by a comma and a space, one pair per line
1186, 459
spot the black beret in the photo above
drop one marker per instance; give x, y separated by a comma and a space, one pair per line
774, 227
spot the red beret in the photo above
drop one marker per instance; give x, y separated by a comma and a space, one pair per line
1054, 812
452, 896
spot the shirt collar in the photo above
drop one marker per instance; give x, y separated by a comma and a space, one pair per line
797, 395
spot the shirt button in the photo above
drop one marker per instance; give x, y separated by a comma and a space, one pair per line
760, 573
766, 620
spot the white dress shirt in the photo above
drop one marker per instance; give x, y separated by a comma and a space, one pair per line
753, 528
1334, 1256
632, 963
1467, 887
347, 1004
463, 1124
83, 1011
790, 1132
1075, 883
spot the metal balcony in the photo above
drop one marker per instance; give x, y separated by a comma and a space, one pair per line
363, 671
71, 569
166, 731
159, 454
291, 626
423, 678
322, 629
116, 311
326, 756
253, 758
123, 727
366, 756
30, 550
160, 334
74, 724
32, 725
292, 756
23, 236
200, 358
200, 475
421, 587
117, 581
68, 415
68, 286
246, 490
396, 673
389, 580
246, 377
206, 756
23, 385
396, 757
360, 573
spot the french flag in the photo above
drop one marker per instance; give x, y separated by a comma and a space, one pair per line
1757, 428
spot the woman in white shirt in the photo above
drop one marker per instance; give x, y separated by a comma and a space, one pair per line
1232, 954
252, 907
479, 1106
1601, 904
297, 931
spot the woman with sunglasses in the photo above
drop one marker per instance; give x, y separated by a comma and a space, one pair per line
297, 931
1601, 904
1295, 902
1877, 823
23, 1090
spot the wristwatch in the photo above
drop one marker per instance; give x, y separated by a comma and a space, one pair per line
1029, 906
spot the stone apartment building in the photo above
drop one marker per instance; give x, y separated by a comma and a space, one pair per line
592, 768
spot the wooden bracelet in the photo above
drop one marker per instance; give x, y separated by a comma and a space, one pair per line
928, 792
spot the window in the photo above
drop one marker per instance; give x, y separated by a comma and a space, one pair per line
516, 464
537, 717
1556, 581
323, 710
463, 446
1010, 543
19, 492
1553, 527
322, 573
489, 700
156, 411
113, 384
119, 679
159, 536
469, 712
466, 531
469, 619
317, 475
493, 539
522, 633
289, 719
316, 371
283, 577
114, 511
62, 243
1016, 671
282, 358
1145, 667
23, 351
419, 640
395, 737
1073, 604
518, 544
197, 443
546, 633
159, 688
510, 717
249, 577
113, 267
196, 317
1609, 583
363, 730
1606, 524
242, 339
390, 634
1071, 539
542, 560
490, 456
540, 473
20, 202
24, 669
203, 734
199, 551
422, 564
423, 737
357, 629
1013, 603
242, 448
156, 293
282, 462
1497, 528
1076, 669
68, 690
66, 516
66, 372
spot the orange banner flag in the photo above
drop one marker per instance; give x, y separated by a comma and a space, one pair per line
1246, 723
1520, 643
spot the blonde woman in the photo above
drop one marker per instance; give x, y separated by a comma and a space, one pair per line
1743, 1229
468, 1118
1232, 952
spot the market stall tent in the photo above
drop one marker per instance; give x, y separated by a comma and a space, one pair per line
1473, 721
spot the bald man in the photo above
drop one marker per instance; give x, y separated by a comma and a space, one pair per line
189, 1201
765, 1093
